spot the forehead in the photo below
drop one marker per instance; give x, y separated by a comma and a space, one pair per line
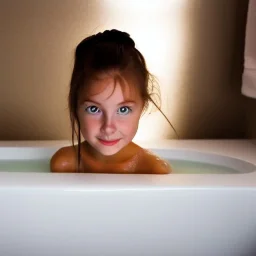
106, 86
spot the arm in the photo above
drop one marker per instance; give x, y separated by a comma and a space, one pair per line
64, 160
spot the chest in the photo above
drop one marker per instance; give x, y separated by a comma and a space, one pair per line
93, 166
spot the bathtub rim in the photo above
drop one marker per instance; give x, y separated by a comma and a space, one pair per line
111, 182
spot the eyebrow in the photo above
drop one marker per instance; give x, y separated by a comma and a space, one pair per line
121, 103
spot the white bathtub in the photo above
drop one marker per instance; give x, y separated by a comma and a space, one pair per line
99, 214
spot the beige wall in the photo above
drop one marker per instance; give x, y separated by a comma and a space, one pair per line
201, 84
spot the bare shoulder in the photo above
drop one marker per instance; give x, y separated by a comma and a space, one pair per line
155, 164
64, 160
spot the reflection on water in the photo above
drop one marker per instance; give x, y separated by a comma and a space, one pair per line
178, 166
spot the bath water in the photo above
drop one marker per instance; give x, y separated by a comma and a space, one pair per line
178, 166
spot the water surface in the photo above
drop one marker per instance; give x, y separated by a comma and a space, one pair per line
178, 166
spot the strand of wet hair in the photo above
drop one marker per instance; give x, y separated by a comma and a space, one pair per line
166, 118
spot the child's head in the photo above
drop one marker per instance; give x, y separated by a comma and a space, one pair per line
110, 87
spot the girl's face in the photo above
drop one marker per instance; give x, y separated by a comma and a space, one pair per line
109, 115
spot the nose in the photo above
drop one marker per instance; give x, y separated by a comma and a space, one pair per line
108, 126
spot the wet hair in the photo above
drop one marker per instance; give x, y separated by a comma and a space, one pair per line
106, 52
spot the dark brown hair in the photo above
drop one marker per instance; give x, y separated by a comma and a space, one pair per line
111, 50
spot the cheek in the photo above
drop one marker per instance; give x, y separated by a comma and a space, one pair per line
89, 125
130, 125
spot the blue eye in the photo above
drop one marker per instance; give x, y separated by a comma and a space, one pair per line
92, 110
124, 110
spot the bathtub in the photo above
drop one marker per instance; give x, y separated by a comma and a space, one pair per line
47, 214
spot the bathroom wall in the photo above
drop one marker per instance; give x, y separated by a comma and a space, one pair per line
194, 48
250, 47
251, 119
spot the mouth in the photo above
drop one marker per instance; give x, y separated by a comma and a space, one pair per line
108, 142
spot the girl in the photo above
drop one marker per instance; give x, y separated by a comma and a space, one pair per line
110, 88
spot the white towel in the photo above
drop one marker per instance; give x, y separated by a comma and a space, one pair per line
249, 74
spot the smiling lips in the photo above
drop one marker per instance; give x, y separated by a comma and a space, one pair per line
108, 142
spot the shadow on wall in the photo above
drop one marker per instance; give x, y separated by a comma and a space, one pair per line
251, 118
214, 105
250, 110
249, 103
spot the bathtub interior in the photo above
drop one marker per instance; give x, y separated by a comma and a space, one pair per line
183, 161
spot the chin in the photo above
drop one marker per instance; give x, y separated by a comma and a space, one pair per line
110, 150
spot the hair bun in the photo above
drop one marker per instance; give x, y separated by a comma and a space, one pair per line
116, 36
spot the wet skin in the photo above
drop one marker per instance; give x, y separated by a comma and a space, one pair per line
131, 159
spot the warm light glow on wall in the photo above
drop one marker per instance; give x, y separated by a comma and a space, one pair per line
157, 28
